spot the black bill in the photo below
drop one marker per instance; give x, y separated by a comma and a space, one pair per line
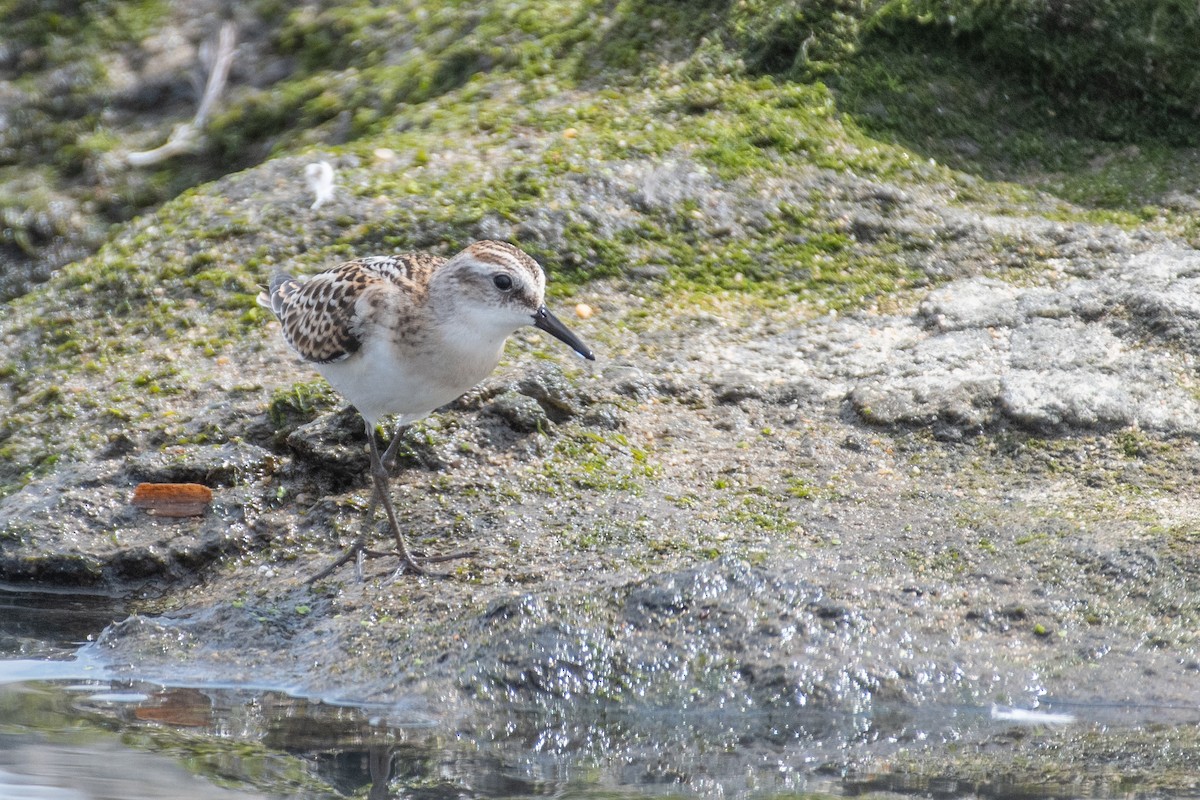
553, 325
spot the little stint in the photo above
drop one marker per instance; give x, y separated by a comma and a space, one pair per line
405, 334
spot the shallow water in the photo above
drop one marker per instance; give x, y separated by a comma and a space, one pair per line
70, 730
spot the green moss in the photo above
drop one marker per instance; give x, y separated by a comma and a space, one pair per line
765, 513
733, 85
1127, 68
908, 85
804, 41
300, 403
586, 460
757, 128
159, 382
645, 32
356, 57
801, 488
61, 31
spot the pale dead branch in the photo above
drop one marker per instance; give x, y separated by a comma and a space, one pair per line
187, 137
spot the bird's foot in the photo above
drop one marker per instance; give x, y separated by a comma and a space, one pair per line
416, 561
355, 552
409, 562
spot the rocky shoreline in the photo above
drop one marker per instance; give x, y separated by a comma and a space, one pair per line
867, 440
733, 510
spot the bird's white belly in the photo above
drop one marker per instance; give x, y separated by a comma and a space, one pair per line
378, 383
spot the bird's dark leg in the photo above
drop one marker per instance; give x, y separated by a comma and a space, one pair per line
389, 455
381, 483
381, 490
358, 550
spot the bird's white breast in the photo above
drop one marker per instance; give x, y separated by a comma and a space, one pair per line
385, 378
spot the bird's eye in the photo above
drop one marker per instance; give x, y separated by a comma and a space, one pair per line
502, 282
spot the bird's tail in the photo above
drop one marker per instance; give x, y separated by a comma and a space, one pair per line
282, 285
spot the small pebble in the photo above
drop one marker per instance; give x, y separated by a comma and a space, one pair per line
583, 310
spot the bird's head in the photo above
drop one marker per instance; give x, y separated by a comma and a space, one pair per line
501, 288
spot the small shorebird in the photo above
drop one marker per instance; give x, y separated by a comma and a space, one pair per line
404, 334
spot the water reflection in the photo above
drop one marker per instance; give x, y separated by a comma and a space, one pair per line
128, 740
69, 731
137, 741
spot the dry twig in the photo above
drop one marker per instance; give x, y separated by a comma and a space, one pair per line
188, 136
